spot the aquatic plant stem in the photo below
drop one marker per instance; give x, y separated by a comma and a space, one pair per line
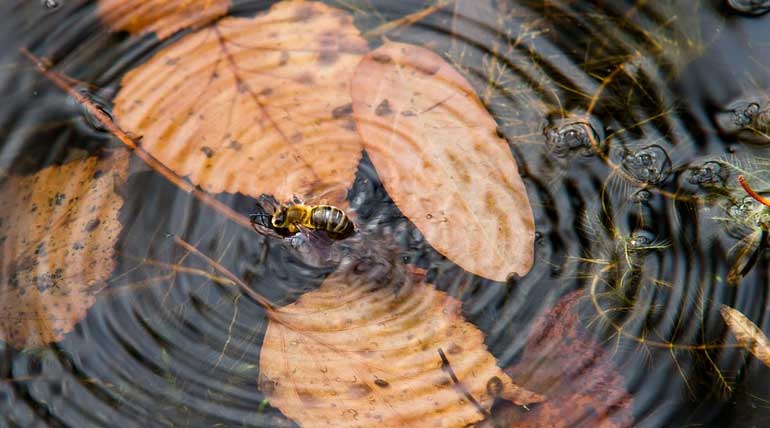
133, 143
759, 198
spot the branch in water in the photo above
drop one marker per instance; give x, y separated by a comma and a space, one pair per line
66, 84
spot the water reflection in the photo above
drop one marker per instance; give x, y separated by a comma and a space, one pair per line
650, 219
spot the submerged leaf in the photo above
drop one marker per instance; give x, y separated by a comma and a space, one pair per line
436, 149
748, 334
253, 106
355, 354
162, 17
584, 386
57, 232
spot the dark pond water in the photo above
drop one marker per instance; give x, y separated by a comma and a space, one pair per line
631, 122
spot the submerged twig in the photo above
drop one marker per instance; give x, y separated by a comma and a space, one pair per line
445, 366
224, 271
65, 83
407, 20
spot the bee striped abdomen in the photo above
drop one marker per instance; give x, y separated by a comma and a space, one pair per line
332, 220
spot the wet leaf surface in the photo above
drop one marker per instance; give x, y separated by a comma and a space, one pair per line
438, 154
57, 231
357, 354
162, 17
254, 106
562, 361
748, 334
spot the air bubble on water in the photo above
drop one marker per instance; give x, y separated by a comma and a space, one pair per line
743, 116
51, 4
650, 164
640, 240
570, 137
749, 212
754, 7
742, 113
709, 174
642, 196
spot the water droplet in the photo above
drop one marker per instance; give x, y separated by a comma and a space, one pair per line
709, 174
51, 4
569, 138
642, 196
650, 165
754, 7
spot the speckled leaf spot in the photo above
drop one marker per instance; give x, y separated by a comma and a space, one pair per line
162, 17
355, 354
254, 105
58, 228
437, 151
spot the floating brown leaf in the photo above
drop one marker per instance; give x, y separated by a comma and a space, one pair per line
583, 385
253, 106
436, 150
57, 232
163, 17
358, 355
748, 334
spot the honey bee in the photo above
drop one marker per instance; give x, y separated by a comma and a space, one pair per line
288, 220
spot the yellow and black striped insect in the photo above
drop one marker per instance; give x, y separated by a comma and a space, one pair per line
290, 219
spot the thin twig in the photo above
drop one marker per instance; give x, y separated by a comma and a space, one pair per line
64, 83
224, 271
445, 366
406, 20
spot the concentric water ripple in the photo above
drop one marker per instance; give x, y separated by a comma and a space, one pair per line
630, 123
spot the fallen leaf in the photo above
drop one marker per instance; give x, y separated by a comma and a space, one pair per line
256, 106
356, 354
748, 334
436, 150
57, 232
583, 384
162, 17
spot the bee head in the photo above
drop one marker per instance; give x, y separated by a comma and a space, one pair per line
279, 217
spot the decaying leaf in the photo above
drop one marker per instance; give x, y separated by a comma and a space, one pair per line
57, 232
162, 17
254, 106
583, 384
355, 354
436, 150
748, 334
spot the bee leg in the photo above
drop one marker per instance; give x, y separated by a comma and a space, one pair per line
296, 200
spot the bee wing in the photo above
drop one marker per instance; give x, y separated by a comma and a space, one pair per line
315, 246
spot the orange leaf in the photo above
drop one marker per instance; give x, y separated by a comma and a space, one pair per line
748, 334
436, 150
253, 106
359, 355
163, 17
57, 231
